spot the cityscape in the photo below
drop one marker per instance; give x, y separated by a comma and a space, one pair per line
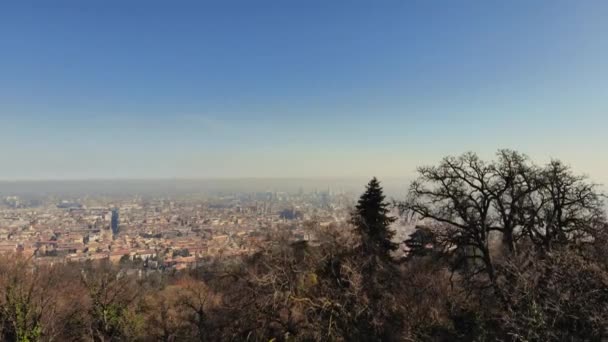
304, 171
163, 233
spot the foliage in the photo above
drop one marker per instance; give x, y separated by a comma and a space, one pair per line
370, 218
503, 251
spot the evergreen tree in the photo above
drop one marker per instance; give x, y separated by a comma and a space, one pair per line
372, 221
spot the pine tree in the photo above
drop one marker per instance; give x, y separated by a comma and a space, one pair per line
372, 221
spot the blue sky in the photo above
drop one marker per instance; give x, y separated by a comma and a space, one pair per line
145, 89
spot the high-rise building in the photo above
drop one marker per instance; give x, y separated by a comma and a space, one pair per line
114, 221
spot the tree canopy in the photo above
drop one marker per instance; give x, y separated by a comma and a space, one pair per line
372, 221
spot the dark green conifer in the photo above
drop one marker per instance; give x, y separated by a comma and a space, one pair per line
372, 221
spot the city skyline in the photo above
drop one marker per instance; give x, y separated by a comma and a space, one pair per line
310, 90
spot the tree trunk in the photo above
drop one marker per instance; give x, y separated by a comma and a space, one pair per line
508, 242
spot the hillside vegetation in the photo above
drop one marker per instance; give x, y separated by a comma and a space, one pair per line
504, 250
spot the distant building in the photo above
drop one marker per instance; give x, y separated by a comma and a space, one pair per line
69, 205
114, 221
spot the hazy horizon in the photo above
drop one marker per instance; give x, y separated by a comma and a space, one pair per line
394, 188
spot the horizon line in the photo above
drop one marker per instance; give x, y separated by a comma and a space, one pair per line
215, 178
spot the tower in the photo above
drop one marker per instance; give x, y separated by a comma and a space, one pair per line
114, 221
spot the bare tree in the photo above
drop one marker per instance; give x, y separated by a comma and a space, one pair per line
567, 208
458, 195
33, 300
197, 300
469, 201
514, 181
111, 293
560, 296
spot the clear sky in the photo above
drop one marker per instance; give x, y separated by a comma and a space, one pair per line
145, 89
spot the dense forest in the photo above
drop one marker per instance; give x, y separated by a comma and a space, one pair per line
503, 250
